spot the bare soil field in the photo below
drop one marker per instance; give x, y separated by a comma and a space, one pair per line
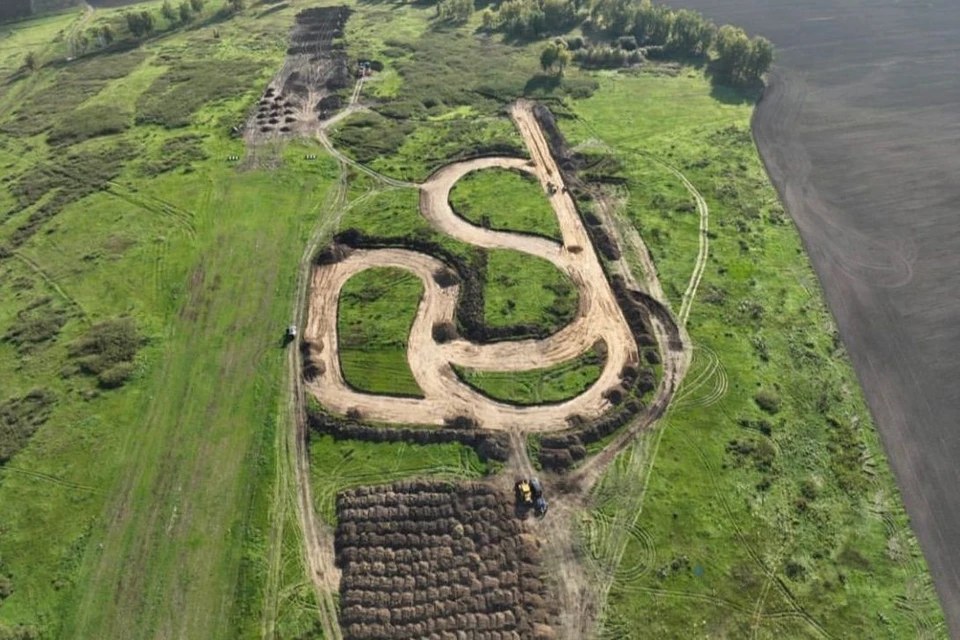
304, 91
860, 131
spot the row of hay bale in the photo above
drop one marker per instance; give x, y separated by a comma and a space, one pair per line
358, 605
489, 445
427, 514
560, 451
425, 632
465, 579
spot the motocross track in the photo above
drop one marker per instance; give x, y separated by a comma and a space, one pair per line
599, 317
445, 396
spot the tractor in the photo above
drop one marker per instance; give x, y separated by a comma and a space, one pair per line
529, 495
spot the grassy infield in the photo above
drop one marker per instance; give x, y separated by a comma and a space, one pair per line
146, 510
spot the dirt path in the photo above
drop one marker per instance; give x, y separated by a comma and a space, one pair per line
704, 245
445, 396
292, 442
599, 317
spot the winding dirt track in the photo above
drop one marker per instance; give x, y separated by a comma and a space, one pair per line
445, 396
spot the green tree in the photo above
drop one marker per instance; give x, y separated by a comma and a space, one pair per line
733, 52
196, 5
106, 34
692, 33
555, 54
558, 15
761, 56
236, 5
458, 11
616, 17
168, 12
739, 59
548, 55
185, 13
31, 62
488, 20
563, 58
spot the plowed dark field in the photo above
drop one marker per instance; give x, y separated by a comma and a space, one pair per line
860, 131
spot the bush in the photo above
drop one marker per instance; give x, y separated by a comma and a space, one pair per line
106, 346
444, 332
627, 43
78, 175
88, 122
175, 152
175, 96
39, 322
369, 136
20, 418
768, 401
116, 376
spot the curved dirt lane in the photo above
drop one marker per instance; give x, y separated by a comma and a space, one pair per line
445, 396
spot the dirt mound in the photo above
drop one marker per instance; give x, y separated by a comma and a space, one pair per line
425, 558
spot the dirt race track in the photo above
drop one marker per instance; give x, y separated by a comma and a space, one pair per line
860, 131
599, 316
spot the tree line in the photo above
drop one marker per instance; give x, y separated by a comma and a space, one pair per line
637, 24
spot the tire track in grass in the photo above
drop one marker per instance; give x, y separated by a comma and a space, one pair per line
46, 477
703, 240
753, 553
52, 283
316, 537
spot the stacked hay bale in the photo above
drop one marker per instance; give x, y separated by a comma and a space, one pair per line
435, 560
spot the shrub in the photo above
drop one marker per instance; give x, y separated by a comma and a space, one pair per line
370, 135
20, 418
116, 375
106, 346
768, 401
78, 175
444, 332
175, 96
89, 122
175, 152
39, 322
627, 43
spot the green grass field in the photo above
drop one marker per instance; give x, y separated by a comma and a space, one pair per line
158, 501
377, 308
523, 289
553, 384
769, 504
518, 289
506, 201
145, 511
341, 464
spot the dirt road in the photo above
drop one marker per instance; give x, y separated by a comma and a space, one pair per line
599, 316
